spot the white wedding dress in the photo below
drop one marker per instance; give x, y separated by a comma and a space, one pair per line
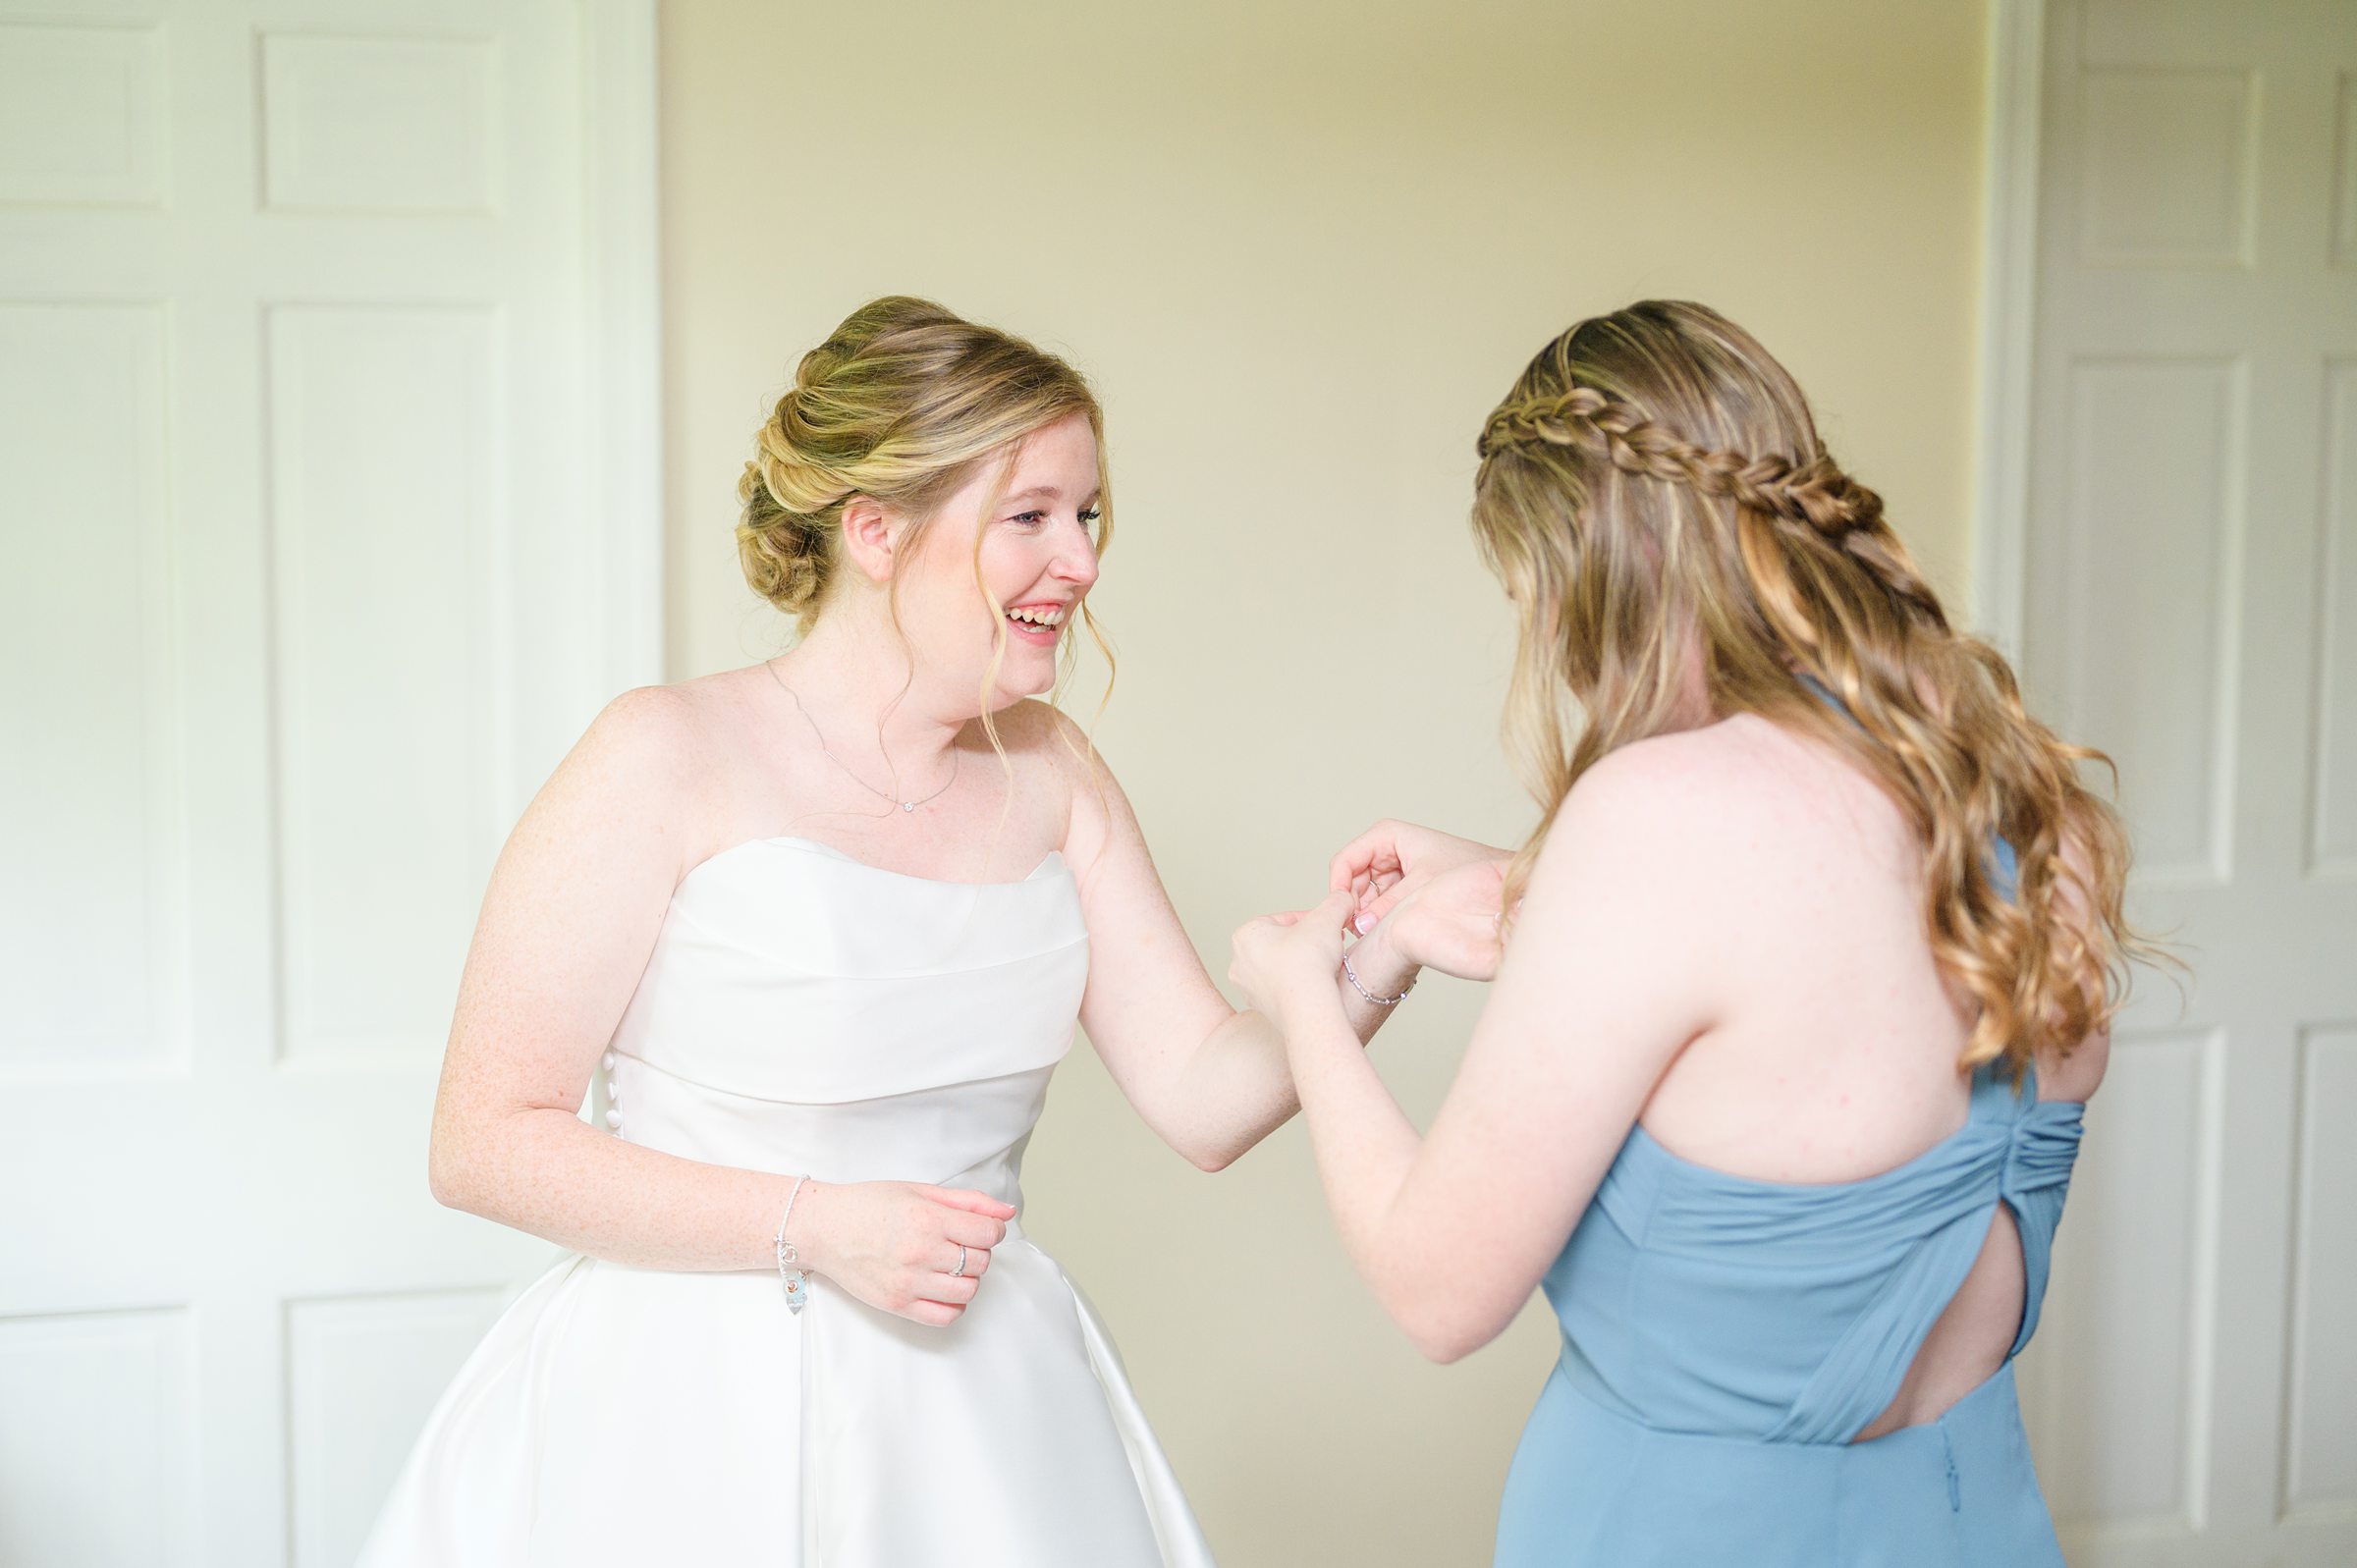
805, 1011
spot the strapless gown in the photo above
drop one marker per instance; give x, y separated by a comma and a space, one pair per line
805, 1011
1724, 1340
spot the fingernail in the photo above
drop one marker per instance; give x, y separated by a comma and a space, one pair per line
1362, 925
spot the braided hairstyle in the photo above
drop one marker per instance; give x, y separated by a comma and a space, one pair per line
1652, 490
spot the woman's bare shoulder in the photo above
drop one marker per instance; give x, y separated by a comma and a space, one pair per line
1708, 781
1066, 781
1664, 819
1032, 726
650, 753
656, 729
1053, 747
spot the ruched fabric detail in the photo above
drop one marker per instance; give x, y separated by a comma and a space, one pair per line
1725, 1340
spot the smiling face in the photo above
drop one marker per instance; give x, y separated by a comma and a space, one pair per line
1034, 552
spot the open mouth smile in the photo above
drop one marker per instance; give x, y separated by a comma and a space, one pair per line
1038, 625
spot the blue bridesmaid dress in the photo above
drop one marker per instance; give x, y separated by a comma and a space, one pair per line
1726, 1340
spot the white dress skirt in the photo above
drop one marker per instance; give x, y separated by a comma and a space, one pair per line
805, 1011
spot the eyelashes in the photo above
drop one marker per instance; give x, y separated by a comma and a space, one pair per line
1089, 519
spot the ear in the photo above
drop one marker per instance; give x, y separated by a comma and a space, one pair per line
871, 534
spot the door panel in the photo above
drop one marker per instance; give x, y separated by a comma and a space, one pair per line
2188, 604
301, 593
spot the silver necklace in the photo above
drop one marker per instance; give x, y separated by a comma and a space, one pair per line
906, 805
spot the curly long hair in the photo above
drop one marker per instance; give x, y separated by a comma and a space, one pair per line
1653, 485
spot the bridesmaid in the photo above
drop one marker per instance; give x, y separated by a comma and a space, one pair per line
1805, 977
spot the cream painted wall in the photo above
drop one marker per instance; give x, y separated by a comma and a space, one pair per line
1302, 248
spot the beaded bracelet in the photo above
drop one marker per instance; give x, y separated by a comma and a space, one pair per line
1380, 1001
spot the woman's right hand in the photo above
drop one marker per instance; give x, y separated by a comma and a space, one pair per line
893, 1244
1393, 859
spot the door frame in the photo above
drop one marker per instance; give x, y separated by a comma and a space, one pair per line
622, 296
2009, 316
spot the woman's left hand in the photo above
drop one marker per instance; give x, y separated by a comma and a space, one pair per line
1282, 961
1450, 922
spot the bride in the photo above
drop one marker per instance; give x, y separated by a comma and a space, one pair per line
827, 923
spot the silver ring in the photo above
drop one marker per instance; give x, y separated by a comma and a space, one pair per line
959, 1270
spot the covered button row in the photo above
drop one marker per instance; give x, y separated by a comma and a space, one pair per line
613, 1111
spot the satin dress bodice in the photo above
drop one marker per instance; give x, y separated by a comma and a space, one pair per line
802, 1011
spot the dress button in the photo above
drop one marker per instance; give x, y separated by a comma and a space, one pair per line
608, 1061
614, 1119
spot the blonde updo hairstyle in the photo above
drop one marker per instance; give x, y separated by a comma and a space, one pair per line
901, 403
1653, 483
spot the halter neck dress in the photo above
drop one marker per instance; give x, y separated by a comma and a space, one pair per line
1725, 1340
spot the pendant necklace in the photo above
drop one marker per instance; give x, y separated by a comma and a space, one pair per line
906, 805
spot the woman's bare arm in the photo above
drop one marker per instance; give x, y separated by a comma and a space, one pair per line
1606, 981
575, 902
1211, 1081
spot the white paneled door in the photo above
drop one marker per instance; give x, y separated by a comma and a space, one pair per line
2188, 601
326, 521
